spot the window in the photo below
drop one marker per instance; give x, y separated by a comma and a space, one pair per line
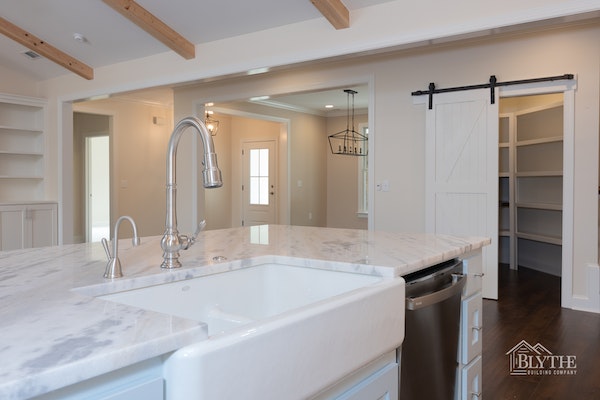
259, 176
363, 179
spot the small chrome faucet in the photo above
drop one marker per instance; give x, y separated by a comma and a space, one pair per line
113, 267
172, 241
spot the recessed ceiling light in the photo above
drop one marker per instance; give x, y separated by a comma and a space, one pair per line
256, 71
259, 98
329, 106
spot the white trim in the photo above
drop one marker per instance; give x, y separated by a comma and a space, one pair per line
567, 87
362, 212
591, 302
371, 145
23, 100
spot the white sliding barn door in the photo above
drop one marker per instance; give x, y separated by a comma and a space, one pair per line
462, 172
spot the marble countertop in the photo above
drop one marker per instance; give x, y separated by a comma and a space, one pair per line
55, 333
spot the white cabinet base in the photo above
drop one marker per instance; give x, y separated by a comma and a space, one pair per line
139, 381
468, 377
28, 225
377, 380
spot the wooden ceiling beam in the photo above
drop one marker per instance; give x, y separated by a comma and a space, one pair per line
335, 11
44, 49
154, 26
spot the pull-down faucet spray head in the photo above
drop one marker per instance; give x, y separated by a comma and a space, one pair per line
172, 241
211, 175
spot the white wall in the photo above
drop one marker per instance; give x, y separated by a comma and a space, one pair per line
304, 159
14, 82
139, 152
246, 129
342, 181
219, 201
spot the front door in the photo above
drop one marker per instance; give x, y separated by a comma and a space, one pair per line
462, 172
259, 194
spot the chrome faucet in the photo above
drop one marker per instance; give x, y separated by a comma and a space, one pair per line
113, 267
172, 241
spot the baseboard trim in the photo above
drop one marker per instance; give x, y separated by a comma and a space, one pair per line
591, 302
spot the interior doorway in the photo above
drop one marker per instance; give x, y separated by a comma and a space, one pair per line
97, 179
91, 176
531, 182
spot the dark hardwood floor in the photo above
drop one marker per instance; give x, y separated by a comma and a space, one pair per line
529, 309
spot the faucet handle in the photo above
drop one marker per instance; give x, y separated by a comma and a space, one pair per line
189, 241
200, 228
106, 248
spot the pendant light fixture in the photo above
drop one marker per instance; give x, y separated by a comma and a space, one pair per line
349, 142
211, 124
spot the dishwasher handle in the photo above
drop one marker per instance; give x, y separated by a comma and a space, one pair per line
458, 282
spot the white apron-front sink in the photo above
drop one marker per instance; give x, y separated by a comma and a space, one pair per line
275, 331
231, 299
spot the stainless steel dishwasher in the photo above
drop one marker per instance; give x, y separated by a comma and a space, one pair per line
428, 356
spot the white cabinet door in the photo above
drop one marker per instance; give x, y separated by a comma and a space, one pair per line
28, 225
11, 228
41, 226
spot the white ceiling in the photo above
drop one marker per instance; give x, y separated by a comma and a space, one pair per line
111, 38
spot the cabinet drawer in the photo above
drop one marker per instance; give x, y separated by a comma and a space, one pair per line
471, 328
151, 390
473, 269
471, 380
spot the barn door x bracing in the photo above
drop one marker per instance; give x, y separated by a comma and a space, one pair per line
462, 172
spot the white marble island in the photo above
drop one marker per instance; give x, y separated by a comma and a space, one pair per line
55, 334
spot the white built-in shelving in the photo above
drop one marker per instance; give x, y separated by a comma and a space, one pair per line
531, 184
22, 145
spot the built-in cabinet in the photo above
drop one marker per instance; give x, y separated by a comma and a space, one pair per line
139, 381
26, 219
22, 144
468, 377
531, 187
26, 225
374, 381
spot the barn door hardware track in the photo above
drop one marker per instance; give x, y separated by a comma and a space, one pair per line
492, 85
